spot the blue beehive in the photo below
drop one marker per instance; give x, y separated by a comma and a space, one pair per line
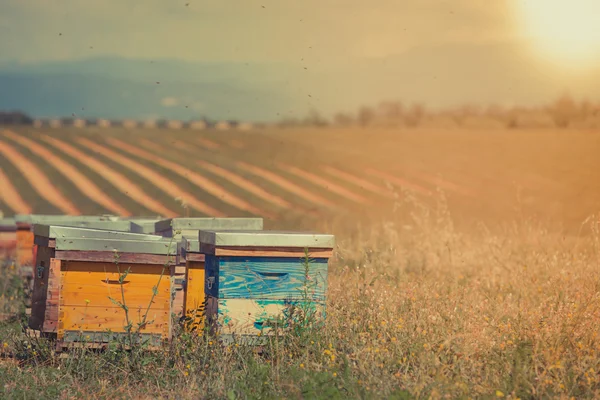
255, 279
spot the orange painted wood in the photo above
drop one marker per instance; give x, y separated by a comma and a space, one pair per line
195, 298
87, 288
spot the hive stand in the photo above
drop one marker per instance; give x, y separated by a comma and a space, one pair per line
83, 276
254, 278
188, 228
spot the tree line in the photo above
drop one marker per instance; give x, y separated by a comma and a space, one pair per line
564, 112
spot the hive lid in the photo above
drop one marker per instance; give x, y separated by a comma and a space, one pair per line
196, 224
161, 246
121, 226
56, 231
62, 219
266, 239
8, 225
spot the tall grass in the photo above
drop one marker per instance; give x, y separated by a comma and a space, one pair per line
415, 309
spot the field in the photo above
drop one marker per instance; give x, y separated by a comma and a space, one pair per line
467, 264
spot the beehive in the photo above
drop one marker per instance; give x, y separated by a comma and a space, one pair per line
192, 269
254, 277
8, 237
84, 276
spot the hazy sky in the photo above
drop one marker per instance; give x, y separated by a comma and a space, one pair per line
261, 30
325, 35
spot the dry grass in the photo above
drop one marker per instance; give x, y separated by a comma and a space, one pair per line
416, 309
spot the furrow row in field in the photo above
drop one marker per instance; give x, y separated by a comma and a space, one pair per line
38, 180
245, 184
324, 183
357, 181
438, 181
83, 183
308, 168
286, 184
118, 180
402, 183
11, 197
197, 179
299, 181
160, 181
228, 171
417, 179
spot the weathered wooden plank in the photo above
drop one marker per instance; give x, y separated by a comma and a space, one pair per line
109, 256
58, 219
86, 229
40, 288
112, 318
224, 238
294, 252
263, 277
53, 297
195, 257
78, 272
259, 316
159, 247
134, 297
108, 230
191, 226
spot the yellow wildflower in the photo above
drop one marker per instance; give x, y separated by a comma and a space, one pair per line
499, 393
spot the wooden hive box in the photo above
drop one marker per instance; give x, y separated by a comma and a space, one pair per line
8, 237
254, 277
83, 275
191, 271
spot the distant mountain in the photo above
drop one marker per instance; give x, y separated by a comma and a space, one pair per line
440, 76
56, 95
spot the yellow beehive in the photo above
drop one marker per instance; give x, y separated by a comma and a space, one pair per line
91, 284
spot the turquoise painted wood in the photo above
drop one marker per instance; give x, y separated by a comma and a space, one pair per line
251, 317
280, 278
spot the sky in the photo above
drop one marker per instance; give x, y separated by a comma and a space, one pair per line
340, 41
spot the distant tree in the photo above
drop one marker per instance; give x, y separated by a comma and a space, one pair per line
391, 111
314, 118
365, 116
563, 111
343, 119
415, 115
15, 118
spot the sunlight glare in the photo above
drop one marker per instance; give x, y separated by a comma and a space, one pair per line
567, 32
